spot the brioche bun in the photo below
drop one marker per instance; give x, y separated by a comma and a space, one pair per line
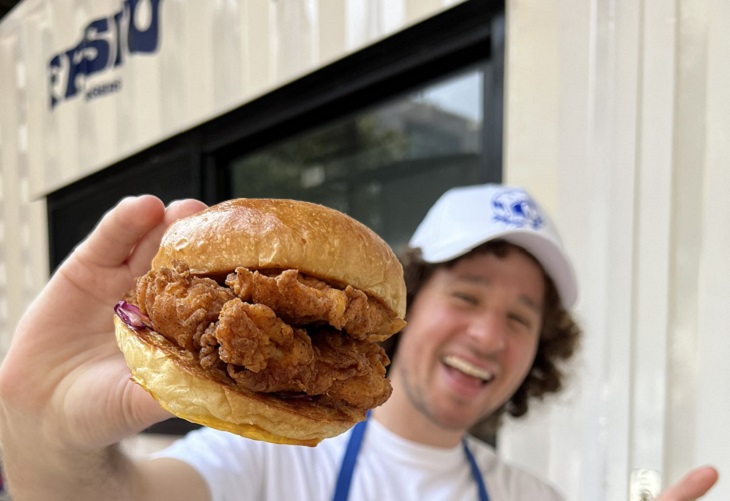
181, 387
259, 234
282, 234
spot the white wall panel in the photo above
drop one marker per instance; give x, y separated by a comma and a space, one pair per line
211, 57
713, 371
617, 118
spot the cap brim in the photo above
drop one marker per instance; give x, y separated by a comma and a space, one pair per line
550, 256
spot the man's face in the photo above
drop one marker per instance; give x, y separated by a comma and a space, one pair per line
471, 338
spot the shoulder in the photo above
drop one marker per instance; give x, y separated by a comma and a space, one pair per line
214, 452
207, 448
231, 464
206, 444
508, 481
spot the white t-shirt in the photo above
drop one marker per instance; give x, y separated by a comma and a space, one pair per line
388, 468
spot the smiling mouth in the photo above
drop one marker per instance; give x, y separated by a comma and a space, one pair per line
465, 367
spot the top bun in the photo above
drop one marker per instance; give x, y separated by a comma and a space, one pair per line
283, 234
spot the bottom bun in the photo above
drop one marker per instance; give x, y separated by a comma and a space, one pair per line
183, 388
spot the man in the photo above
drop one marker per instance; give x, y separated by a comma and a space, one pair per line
479, 318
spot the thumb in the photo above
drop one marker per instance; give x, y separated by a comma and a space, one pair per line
692, 486
146, 410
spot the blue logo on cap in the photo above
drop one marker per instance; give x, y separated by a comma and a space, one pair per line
515, 208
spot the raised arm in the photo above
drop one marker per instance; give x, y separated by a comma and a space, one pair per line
66, 399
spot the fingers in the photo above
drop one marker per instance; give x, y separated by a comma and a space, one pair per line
692, 486
139, 261
120, 229
119, 249
144, 409
182, 208
135, 224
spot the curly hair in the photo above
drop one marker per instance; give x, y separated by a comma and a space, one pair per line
559, 335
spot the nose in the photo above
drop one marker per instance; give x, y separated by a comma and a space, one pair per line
489, 330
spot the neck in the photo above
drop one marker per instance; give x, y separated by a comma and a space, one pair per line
400, 417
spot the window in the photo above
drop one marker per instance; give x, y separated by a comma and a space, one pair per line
384, 165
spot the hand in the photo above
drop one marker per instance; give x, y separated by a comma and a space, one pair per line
692, 486
64, 385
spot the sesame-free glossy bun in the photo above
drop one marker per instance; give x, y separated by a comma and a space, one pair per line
175, 379
283, 234
259, 234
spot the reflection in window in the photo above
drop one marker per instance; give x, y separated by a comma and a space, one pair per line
384, 166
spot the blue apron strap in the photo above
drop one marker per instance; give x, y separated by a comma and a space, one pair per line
483, 496
344, 479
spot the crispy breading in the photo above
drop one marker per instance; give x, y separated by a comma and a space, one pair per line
180, 305
252, 336
363, 385
257, 346
303, 300
343, 370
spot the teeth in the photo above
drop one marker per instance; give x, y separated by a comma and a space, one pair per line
467, 368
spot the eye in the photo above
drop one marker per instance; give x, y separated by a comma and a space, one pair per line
465, 297
521, 320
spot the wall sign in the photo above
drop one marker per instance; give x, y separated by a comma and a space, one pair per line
106, 43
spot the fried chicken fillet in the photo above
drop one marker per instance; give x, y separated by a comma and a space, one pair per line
275, 334
271, 311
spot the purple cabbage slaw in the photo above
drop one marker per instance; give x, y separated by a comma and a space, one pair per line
132, 316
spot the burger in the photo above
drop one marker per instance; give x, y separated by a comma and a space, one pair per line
264, 318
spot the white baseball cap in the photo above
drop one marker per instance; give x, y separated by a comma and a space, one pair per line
464, 218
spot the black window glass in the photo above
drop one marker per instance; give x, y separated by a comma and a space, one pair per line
385, 165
